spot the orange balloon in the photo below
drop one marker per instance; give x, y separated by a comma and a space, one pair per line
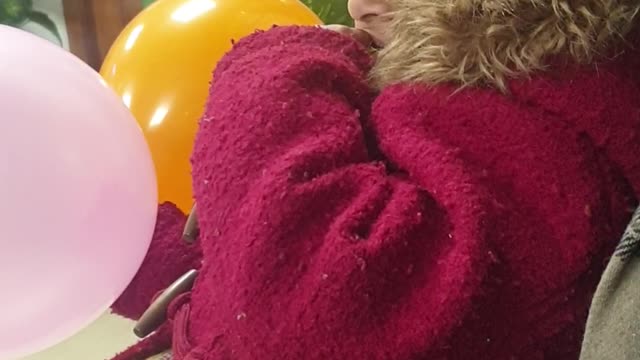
162, 63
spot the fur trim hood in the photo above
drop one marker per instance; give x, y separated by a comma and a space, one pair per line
485, 42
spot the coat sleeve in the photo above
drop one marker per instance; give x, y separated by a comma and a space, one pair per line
305, 229
602, 104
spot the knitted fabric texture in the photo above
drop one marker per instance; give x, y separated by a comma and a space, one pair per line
423, 223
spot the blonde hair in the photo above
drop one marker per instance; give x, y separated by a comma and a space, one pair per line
485, 42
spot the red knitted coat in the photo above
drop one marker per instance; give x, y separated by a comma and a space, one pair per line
423, 223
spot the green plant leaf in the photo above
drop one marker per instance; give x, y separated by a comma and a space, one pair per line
330, 11
15, 12
45, 21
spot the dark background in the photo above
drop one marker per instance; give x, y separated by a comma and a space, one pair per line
93, 25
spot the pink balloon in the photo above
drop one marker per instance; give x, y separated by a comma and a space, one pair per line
78, 195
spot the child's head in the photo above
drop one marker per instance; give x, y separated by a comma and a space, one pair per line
473, 42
